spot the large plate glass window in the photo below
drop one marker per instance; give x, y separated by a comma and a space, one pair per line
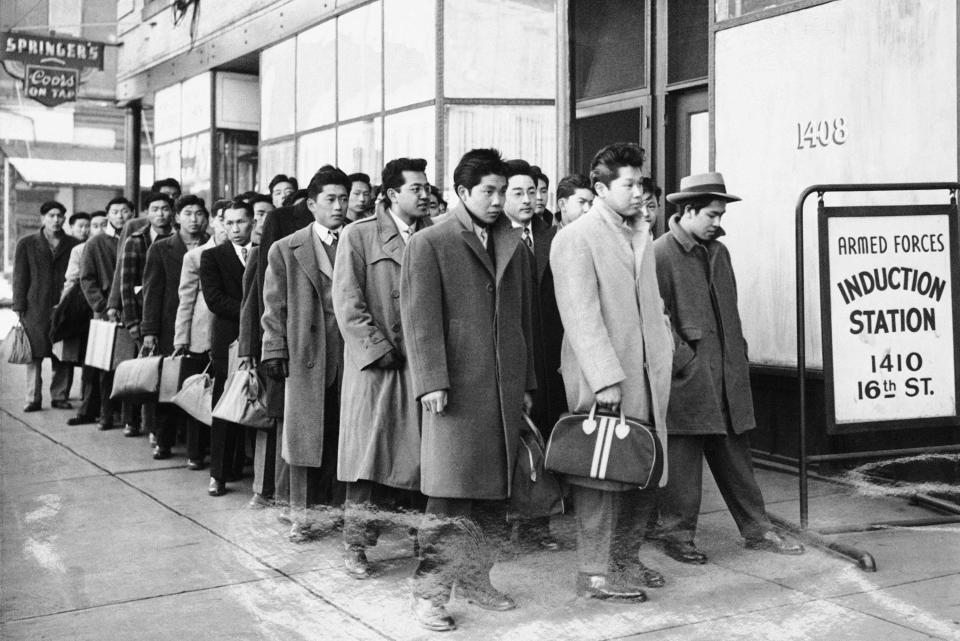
358, 62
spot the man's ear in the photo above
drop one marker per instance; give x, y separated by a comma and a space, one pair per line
462, 192
600, 189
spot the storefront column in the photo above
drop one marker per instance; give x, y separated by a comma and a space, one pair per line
132, 128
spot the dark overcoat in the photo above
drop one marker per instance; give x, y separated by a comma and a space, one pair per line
379, 417
161, 286
700, 291
38, 276
466, 323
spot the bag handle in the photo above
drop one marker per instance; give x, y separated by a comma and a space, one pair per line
253, 385
534, 430
144, 352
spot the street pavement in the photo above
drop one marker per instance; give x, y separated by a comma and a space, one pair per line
99, 541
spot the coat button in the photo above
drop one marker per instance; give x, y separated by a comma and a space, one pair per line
396, 327
395, 293
313, 328
489, 287
309, 364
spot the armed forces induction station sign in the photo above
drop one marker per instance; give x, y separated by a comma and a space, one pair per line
888, 286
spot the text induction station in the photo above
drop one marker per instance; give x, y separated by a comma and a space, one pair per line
888, 285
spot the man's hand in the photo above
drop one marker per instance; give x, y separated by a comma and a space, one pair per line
135, 332
181, 350
247, 362
149, 343
390, 360
113, 315
527, 402
435, 402
275, 368
609, 396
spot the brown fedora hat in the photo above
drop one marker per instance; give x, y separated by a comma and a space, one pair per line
697, 185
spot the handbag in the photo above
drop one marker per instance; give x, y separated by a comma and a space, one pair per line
244, 401
69, 350
196, 396
175, 370
607, 447
108, 344
18, 345
535, 491
138, 380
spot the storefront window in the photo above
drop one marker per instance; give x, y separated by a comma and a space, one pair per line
195, 175
410, 58
517, 38
195, 99
166, 162
527, 132
360, 147
316, 77
412, 134
609, 47
358, 62
278, 158
166, 113
688, 32
277, 90
735, 8
313, 152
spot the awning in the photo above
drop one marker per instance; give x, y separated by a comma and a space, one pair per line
77, 173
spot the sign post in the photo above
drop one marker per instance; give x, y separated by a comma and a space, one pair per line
50, 67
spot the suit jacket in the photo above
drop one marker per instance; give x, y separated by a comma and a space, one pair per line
97, 268
221, 279
133, 261
466, 324
161, 284
299, 325
192, 325
115, 300
38, 275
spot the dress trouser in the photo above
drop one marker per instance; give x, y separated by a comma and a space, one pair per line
310, 486
158, 419
225, 437
109, 409
728, 456
610, 527
59, 386
265, 463
369, 507
91, 400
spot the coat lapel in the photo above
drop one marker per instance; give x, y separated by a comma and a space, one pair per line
390, 241
302, 245
470, 238
615, 237
506, 239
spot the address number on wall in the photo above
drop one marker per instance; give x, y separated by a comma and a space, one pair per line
821, 133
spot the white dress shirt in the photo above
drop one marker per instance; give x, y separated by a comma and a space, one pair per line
405, 230
326, 235
243, 252
526, 230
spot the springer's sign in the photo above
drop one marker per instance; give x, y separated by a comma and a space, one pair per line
888, 286
49, 66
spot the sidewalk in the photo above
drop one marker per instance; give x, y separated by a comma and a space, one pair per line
99, 541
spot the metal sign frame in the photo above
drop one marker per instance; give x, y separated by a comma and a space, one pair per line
824, 214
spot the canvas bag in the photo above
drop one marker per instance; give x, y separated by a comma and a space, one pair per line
18, 347
607, 447
138, 380
244, 401
535, 491
175, 370
108, 344
196, 396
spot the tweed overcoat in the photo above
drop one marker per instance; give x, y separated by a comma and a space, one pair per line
97, 267
38, 275
700, 291
379, 417
299, 325
466, 324
161, 286
194, 318
615, 328
115, 300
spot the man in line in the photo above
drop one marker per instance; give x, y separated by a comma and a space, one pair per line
133, 258
361, 201
39, 269
280, 188
574, 198
379, 450
80, 226
262, 205
302, 344
617, 353
161, 282
542, 197
97, 268
465, 305
711, 408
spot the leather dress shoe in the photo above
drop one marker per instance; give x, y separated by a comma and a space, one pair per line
599, 586
639, 574
31, 407
216, 488
487, 597
195, 464
259, 502
684, 551
355, 563
161, 453
61, 405
131, 430
432, 615
81, 420
103, 427
547, 542
773, 542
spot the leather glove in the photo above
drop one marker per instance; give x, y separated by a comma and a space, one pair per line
275, 368
390, 360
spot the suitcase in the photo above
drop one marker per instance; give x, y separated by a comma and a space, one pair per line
175, 371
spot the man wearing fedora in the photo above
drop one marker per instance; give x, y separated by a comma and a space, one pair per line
711, 407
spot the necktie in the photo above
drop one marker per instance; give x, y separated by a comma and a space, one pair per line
483, 237
243, 255
334, 236
527, 238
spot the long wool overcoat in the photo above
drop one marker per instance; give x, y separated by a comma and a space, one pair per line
700, 291
615, 328
379, 417
299, 325
38, 275
466, 323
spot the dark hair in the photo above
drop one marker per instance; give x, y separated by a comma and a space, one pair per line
151, 197
240, 203
283, 178
51, 204
518, 167
80, 215
648, 186
359, 177
392, 175
538, 175
120, 200
328, 175
294, 197
95, 214
166, 182
190, 199
260, 198
248, 195
697, 202
218, 205
608, 161
475, 164
568, 185
436, 193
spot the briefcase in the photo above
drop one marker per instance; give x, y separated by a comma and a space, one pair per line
175, 371
607, 447
108, 344
242, 401
138, 380
70, 350
535, 492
